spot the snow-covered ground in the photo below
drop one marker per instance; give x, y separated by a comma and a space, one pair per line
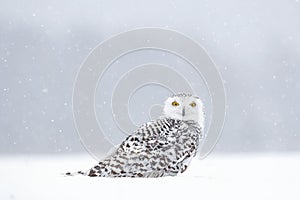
237, 176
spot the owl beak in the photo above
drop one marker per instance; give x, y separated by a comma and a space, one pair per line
183, 112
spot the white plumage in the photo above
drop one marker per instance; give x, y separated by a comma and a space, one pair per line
162, 147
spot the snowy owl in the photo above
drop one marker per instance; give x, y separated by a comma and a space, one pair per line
162, 147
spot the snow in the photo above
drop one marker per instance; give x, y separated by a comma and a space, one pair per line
225, 176
45, 90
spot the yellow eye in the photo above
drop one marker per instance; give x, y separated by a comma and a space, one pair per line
175, 103
193, 104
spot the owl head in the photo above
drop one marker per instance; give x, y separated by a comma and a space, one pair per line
184, 107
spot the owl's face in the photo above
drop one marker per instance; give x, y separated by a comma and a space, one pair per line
184, 107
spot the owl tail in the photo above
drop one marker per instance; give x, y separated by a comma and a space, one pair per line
76, 173
102, 169
98, 170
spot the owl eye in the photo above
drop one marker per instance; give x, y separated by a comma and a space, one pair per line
193, 104
175, 103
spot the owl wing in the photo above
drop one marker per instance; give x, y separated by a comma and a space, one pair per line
155, 149
150, 137
160, 145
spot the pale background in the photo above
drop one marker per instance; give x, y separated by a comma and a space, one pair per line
255, 45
